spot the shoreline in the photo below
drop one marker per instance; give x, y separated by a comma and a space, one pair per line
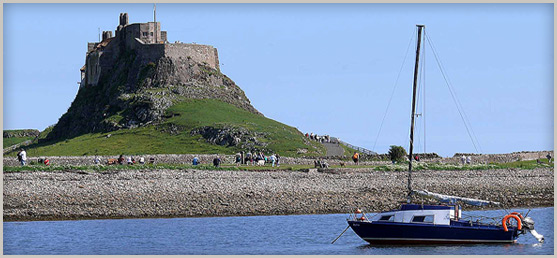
164, 193
224, 216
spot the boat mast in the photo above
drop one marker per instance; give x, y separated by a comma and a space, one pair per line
410, 156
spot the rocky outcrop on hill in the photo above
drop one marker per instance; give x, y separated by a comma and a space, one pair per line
138, 90
21, 133
231, 136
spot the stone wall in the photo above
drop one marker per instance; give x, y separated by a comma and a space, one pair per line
150, 52
229, 159
159, 159
198, 53
93, 68
174, 159
498, 158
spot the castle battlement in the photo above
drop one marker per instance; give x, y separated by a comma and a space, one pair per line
147, 41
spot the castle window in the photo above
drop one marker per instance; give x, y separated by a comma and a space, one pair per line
151, 33
145, 33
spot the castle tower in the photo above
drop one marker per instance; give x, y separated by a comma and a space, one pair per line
123, 22
107, 35
124, 19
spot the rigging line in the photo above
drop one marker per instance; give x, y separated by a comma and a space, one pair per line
394, 89
452, 93
464, 116
423, 97
423, 84
419, 100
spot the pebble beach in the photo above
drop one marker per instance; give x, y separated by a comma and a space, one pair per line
75, 194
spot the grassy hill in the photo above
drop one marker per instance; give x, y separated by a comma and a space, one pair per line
173, 135
13, 137
15, 140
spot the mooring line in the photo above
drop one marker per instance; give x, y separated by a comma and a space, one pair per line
340, 234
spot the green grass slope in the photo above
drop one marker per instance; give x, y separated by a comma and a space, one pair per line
187, 115
7, 142
15, 140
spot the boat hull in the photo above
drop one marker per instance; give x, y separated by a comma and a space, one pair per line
412, 233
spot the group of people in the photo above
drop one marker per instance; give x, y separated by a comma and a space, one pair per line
130, 160
319, 138
249, 158
258, 158
320, 163
466, 159
22, 158
548, 156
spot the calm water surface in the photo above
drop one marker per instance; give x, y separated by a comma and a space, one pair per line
292, 234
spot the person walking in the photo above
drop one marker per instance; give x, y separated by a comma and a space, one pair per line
22, 157
356, 157
238, 159
216, 162
273, 160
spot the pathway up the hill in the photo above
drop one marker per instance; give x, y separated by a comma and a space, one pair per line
333, 149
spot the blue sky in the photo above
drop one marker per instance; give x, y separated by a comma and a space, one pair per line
323, 68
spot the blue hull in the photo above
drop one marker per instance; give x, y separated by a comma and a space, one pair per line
378, 232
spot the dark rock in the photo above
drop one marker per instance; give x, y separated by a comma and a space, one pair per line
230, 136
21, 133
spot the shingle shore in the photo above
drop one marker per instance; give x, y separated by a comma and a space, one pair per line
65, 195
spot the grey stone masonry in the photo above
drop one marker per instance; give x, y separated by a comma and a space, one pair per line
142, 38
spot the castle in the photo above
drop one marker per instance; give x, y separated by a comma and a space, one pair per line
149, 44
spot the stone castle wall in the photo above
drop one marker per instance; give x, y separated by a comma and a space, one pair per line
198, 53
204, 54
150, 52
148, 42
93, 68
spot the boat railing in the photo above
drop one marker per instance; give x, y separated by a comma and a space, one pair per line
495, 221
360, 216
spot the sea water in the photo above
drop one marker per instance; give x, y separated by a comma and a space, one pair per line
271, 235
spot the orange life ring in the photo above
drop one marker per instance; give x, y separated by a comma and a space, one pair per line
517, 213
518, 220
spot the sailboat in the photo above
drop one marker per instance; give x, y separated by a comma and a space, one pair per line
435, 224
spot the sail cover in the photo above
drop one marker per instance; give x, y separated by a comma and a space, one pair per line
454, 199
